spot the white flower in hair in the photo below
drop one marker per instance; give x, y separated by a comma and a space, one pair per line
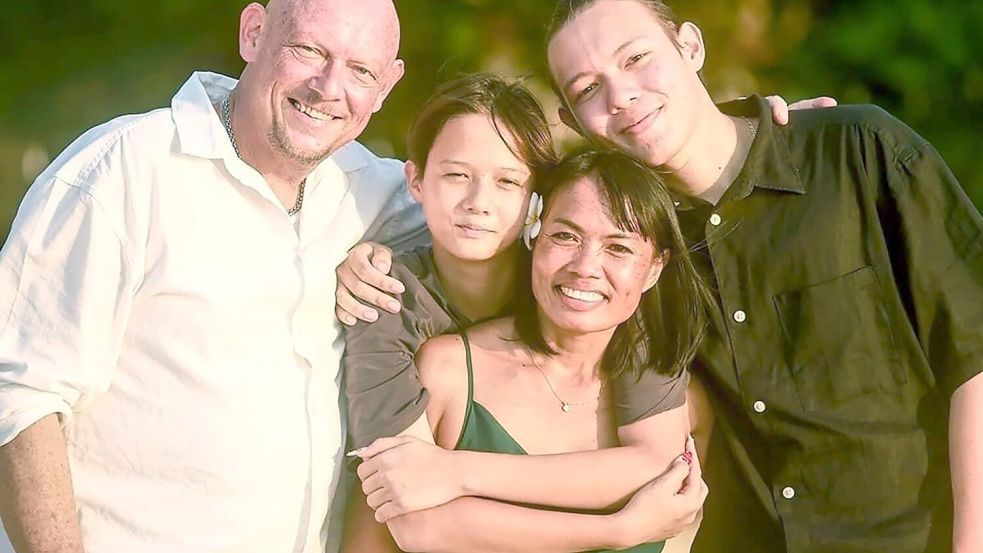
533, 223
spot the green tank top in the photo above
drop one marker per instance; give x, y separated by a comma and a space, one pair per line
482, 432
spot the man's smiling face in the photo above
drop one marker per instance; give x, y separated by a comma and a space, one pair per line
324, 67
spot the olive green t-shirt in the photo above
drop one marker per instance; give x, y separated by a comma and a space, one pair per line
382, 385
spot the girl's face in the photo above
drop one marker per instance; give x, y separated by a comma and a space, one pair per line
474, 190
588, 275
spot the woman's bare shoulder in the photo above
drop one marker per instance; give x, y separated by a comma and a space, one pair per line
441, 361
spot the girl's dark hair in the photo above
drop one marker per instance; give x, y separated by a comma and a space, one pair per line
671, 319
514, 111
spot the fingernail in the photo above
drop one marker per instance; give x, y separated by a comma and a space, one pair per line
356, 452
370, 316
397, 288
691, 438
393, 306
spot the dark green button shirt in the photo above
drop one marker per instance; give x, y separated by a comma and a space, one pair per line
848, 266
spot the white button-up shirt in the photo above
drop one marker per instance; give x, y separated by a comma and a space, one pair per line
155, 294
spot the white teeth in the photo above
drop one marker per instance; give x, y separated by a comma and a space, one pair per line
311, 112
581, 295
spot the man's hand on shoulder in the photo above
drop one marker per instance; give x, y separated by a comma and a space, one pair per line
364, 284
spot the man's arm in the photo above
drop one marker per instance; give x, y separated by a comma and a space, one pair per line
66, 285
966, 463
37, 504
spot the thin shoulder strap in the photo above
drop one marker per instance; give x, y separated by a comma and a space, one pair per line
468, 407
467, 356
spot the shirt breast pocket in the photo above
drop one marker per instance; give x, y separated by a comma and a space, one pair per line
839, 347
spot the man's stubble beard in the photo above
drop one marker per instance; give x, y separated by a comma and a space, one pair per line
277, 138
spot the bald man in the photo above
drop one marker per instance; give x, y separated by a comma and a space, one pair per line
168, 350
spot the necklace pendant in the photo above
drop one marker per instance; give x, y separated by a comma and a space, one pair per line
565, 407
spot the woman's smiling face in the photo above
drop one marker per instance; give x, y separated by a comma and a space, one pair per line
588, 275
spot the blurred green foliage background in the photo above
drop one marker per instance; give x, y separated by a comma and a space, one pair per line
68, 65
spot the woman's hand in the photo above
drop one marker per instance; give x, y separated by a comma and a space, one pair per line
405, 474
668, 504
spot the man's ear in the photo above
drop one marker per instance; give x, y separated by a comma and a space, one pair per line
689, 39
655, 271
414, 180
393, 75
567, 118
251, 22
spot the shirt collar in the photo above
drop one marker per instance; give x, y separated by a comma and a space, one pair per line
769, 164
199, 127
202, 134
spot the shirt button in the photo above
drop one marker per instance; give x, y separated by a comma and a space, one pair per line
788, 492
740, 316
759, 406
715, 219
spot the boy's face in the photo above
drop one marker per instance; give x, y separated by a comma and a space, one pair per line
628, 84
474, 189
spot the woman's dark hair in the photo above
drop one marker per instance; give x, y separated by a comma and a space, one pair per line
664, 332
514, 111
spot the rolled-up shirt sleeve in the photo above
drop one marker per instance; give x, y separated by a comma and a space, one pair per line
940, 255
639, 396
64, 294
382, 384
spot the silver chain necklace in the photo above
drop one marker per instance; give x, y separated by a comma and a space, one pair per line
227, 123
565, 406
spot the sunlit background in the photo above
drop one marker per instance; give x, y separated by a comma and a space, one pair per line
68, 65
